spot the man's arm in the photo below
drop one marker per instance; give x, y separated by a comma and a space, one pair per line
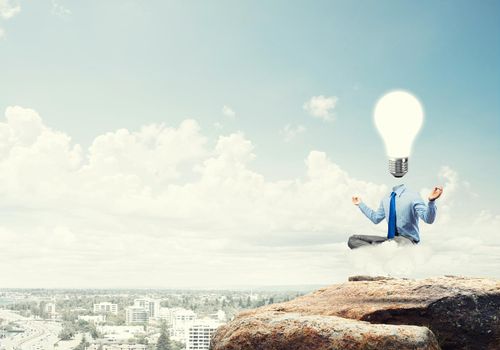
428, 212
374, 216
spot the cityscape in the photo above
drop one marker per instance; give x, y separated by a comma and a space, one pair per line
40, 319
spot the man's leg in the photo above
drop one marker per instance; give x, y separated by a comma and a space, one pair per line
401, 240
357, 241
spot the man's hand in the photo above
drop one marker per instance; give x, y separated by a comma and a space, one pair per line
436, 193
356, 200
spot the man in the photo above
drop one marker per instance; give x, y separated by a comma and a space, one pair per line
402, 209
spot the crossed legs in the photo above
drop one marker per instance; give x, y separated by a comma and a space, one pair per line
357, 241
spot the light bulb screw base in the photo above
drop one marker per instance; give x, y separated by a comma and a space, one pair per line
398, 167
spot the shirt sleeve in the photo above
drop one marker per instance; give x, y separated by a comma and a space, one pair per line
427, 212
374, 216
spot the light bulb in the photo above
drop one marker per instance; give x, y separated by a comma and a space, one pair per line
398, 117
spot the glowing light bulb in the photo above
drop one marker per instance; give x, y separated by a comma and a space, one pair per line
398, 117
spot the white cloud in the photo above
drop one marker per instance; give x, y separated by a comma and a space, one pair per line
164, 206
228, 111
60, 10
455, 192
487, 217
321, 107
289, 132
9, 9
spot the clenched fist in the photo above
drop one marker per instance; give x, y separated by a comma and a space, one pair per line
356, 200
436, 193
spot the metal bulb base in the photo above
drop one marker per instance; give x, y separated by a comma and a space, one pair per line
398, 167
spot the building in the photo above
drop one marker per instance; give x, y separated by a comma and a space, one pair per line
166, 315
181, 320
50, 309
199, 334
121, 330
95, 319
220, 316
105, 308
119, 334
142, 311
122, 346
152, 306
182, 317
135, 314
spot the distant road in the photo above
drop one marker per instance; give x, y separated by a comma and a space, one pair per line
37, 335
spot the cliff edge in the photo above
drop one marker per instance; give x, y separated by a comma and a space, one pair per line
375, 313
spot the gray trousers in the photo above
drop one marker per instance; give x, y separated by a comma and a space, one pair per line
357, 241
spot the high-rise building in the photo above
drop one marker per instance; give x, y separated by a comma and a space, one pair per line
182, 317
105, 307
181, 320
136, 314
199, 334
152, 306
50, 308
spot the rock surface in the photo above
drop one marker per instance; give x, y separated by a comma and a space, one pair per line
293, 331
463, 313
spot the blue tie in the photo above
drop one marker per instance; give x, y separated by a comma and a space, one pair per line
392, 217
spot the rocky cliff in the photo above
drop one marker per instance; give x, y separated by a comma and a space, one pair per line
375, 313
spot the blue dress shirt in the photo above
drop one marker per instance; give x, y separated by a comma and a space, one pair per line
409, 208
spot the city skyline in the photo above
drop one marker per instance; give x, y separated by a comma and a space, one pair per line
135, 320
169, 144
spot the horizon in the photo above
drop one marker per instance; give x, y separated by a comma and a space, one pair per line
180, 288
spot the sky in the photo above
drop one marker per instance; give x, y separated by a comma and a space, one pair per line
217, 144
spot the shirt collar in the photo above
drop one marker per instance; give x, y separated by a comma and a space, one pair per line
399, 189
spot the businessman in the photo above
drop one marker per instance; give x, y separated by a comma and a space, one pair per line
402, 209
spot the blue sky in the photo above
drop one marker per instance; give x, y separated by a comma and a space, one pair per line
125, 63
105, 65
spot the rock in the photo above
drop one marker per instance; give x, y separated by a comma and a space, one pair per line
463, 313
369, 278
293, 331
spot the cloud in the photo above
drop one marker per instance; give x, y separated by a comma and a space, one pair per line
9, 9
321, 107
455, 192
228, 111
289, 132
60, 10
166, 206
